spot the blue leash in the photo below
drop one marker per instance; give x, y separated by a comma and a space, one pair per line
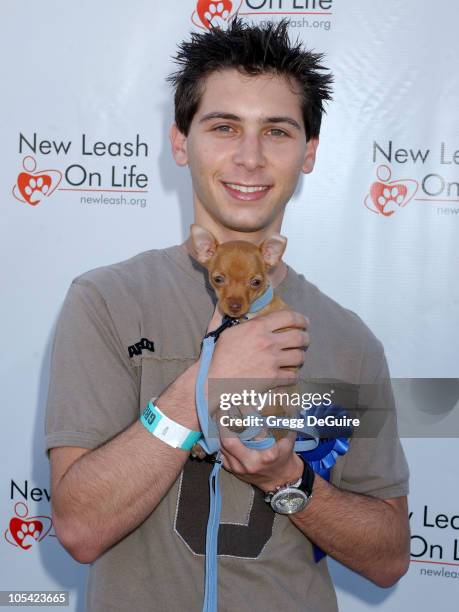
210, 442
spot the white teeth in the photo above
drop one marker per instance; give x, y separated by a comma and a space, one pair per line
247, 189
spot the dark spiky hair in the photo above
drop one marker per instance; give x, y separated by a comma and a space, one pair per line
252, 50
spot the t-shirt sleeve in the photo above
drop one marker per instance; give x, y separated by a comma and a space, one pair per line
376, 465
93, 392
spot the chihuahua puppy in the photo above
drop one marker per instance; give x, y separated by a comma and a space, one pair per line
238, 273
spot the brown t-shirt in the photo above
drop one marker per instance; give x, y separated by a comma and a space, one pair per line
128, 330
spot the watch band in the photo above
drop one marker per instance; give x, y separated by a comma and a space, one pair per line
167, 430
307, 478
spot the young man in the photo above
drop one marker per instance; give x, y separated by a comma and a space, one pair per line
248, 112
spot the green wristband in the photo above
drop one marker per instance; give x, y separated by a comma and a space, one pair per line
167, 430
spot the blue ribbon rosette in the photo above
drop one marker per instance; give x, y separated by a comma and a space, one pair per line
333, 442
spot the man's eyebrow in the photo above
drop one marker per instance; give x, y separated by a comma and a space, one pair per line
288, 120
232, 117
219, 115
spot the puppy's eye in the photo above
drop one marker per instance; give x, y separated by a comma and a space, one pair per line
219, 279
255, 283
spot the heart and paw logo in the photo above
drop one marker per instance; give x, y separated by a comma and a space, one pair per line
214, 13
24, 531
387, 196
31, 186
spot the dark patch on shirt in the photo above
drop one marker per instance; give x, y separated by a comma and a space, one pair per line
246, 541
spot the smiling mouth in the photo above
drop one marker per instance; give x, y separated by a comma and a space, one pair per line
247, 188
246, 192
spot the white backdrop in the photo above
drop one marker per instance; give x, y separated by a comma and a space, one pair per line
374, 226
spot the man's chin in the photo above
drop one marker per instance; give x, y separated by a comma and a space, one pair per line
246, 226
247, 223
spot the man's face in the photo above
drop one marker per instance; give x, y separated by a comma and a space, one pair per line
246, 149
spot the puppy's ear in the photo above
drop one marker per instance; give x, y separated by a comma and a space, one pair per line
204, 244
273, 248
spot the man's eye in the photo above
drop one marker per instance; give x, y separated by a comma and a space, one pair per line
255, 282
219, 280
277, 132
223, 128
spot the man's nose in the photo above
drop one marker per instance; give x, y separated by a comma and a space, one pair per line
249, 152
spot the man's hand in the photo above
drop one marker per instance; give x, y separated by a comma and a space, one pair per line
264, 469
368, 535
254, 350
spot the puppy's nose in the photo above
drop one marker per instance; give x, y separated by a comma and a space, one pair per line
234, 305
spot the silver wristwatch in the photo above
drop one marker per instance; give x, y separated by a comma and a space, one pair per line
293, 496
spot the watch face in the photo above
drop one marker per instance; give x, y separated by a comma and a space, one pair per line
289, 501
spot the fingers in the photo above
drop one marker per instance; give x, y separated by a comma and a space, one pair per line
231, 464
285, 318
287, 376
293, 358
292, 338
243, 461
293, 344
236, 456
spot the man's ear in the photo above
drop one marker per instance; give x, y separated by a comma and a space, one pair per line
310, 155
203, 242
178, 144
273, 248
